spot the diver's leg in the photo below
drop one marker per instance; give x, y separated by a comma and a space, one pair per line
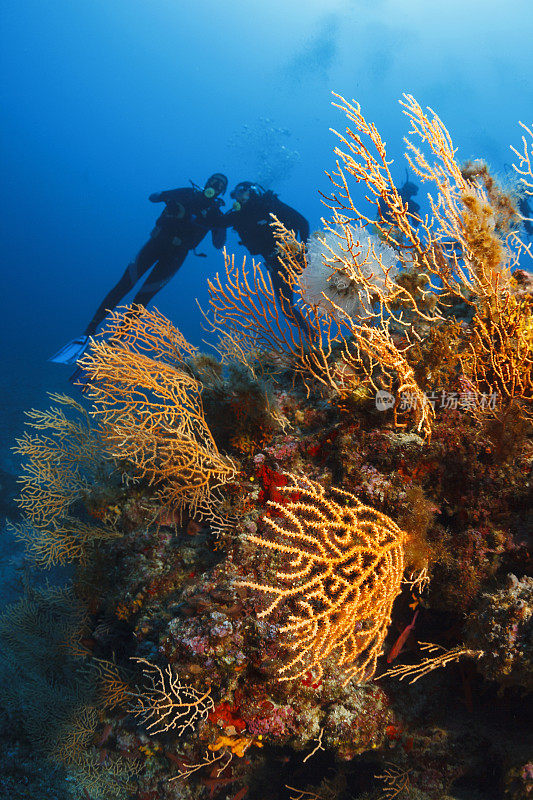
285, 296
144, 259
163, 271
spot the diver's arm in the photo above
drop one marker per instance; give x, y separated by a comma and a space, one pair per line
215, 221
167, 196
228, 220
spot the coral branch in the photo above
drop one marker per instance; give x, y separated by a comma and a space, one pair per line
167, 704
417, 671
151, 410
342, 568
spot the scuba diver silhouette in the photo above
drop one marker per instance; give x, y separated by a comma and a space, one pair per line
189, 214
250, 217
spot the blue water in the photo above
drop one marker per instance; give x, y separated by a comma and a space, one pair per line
106, 102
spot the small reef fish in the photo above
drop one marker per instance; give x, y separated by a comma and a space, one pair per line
400, 641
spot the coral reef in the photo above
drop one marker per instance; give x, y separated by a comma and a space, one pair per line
502, 627
341, 572
151, 410
264, 546
62, 468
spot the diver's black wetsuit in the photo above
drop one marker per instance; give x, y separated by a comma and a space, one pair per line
253, 225
187, 218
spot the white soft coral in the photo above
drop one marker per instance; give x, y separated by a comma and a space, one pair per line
347, 271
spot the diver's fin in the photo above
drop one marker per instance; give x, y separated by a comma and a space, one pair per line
70, 352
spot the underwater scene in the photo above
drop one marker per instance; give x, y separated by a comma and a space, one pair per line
267, 420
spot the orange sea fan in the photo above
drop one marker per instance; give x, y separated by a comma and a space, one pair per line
340, 568
62, 464
151, 410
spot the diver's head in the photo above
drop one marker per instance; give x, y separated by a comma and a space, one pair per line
216, 185
243, 191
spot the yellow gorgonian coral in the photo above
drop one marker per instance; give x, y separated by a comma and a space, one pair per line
499, 358
59, 462
151, 410
63, 463
168, 704
340, 569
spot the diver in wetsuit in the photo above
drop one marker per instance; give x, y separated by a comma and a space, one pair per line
251, 219
189, 214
